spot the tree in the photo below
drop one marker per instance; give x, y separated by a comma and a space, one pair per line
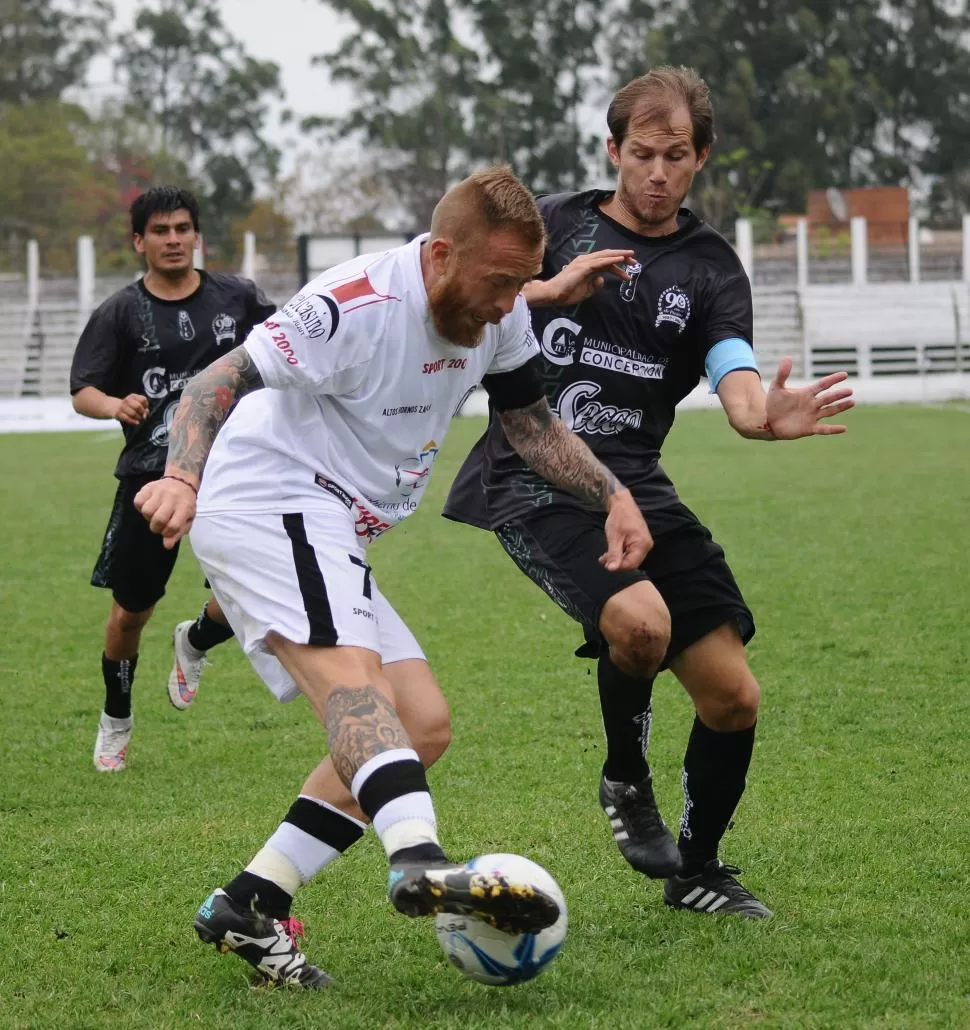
929, 75
53, 190
46, 45
333, 193
208, 100
414, 81
443, 86
811, 93
541, 71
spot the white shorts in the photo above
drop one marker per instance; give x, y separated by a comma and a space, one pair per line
303, 576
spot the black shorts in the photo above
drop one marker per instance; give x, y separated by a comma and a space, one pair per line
558, 548
134, 563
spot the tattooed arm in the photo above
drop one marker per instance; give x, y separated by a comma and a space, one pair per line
561, 458
205, 403
169, 503
558, 455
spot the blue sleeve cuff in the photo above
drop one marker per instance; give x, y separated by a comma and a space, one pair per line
728, 356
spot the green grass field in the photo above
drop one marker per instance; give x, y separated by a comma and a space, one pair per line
855, 828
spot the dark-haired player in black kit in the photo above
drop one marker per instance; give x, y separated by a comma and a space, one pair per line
639, 299
137, 352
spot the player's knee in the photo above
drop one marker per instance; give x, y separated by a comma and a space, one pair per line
733, 709
125, 621
640, 650
433, 740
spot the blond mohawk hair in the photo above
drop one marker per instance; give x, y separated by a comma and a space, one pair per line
489, 199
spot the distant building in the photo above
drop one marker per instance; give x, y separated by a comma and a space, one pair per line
885, 208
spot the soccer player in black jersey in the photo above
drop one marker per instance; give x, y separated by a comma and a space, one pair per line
638, 299
137, 352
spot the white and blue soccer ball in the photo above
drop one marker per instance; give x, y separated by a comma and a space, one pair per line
482, 953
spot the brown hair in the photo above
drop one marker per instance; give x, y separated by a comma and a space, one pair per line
491, 198
661, 90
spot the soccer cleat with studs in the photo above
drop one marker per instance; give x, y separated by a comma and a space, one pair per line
638, 828
714, 891
111, 744
427, 890
269, 945
183, 680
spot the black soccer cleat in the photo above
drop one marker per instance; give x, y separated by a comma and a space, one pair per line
267, 944
512, 907
638, 828
714, 890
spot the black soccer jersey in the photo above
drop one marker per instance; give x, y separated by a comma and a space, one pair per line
616, 365
136, 342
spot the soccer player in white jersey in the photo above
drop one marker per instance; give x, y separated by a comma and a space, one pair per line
346, 396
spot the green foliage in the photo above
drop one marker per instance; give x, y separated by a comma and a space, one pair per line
48, 184
185, 74
814, 94
443, 86
45, 45
413, 82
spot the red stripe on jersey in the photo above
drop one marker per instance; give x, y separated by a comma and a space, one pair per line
351, 291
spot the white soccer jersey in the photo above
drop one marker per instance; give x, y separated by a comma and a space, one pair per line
360, 393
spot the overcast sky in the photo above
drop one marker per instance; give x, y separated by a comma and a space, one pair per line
289, 32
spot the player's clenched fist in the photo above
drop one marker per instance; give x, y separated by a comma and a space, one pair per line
133, 409
169, 506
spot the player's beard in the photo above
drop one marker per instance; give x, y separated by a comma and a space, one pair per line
451, 316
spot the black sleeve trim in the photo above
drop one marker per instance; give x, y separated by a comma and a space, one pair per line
518, 388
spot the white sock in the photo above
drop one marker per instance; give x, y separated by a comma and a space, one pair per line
307, 853
276, 867
401, 820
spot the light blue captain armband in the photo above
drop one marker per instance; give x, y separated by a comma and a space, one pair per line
728, 356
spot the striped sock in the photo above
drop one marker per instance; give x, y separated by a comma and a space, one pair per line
312, 835
392, 789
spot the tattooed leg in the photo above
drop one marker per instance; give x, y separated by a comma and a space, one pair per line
361, 723
370, 749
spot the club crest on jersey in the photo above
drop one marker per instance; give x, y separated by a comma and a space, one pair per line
559, 340
673, 307
412, 474
224, 329
186, 329
628, 287
155, 383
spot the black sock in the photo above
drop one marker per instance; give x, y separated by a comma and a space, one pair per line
426, 853
118, 680
625, 704
715, 766
252, 891
205, 632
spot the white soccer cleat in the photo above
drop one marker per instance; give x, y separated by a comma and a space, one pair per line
183, 680
111, 744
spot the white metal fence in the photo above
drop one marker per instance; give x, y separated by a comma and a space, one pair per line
873, 330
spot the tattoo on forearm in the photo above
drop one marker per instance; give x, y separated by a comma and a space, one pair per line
558, 455
204, 406
361, 723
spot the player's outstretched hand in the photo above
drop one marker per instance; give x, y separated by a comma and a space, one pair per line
133, 409
796, 413
169, 506
580, 279
628, 540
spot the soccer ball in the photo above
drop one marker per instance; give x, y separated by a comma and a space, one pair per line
490, 956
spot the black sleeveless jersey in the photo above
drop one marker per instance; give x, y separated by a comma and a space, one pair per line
616, 365
136, 342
